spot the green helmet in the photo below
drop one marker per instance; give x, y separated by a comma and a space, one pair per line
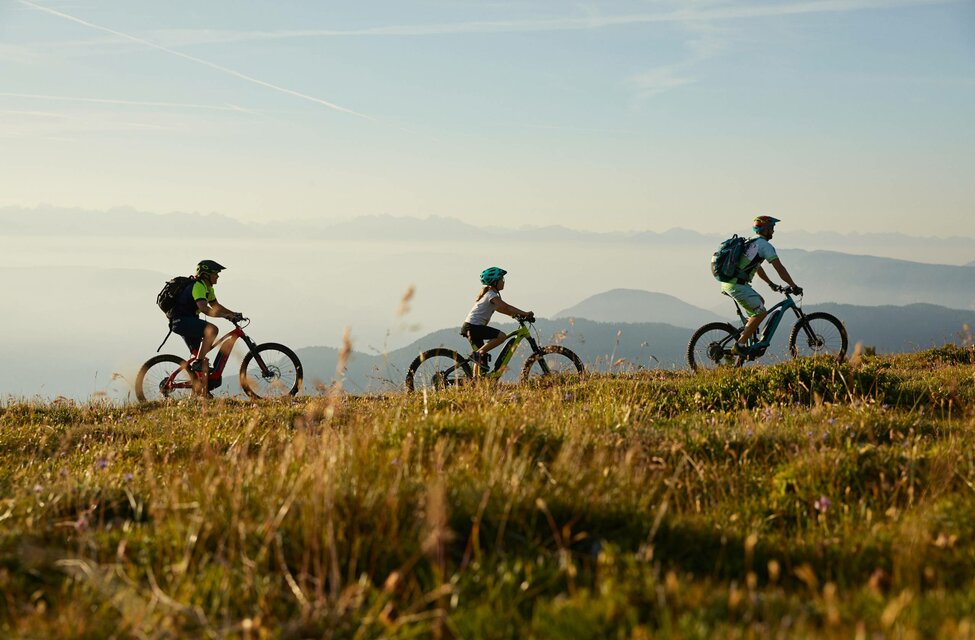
208, 266
492, 275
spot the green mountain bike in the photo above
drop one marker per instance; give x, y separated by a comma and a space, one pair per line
438, 369
813, 334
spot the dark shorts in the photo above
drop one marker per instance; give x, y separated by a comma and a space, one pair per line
478, 334
190, 328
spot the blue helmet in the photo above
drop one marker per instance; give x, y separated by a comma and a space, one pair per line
491, 275
761, 223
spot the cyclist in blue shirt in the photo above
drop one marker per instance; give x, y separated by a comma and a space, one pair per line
198, 297
757, 251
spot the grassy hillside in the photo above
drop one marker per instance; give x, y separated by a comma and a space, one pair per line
800, 500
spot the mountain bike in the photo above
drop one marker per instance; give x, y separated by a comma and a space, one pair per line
813, 334
438, 369
268, 370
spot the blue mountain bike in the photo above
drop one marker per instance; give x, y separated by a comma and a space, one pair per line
813, 334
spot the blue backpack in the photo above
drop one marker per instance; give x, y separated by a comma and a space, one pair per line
725, 261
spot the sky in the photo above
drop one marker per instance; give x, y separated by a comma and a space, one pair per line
845, 115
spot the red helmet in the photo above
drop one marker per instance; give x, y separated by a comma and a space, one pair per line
761, 223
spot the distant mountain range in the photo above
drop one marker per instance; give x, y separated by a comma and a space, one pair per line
870, 280
127, 221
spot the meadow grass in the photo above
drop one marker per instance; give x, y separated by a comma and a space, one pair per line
800, 500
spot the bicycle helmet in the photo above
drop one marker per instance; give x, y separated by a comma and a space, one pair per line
761, 223
492, 274
209, 266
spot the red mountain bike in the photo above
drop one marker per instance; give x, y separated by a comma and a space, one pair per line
269, 370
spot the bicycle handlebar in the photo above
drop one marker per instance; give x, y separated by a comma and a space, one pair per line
789, 291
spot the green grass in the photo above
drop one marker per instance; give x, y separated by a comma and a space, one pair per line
800, 500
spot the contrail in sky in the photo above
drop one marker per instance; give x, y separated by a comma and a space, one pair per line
206, 63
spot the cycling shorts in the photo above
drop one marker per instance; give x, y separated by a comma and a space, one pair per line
478, 334
190, 328
746, 297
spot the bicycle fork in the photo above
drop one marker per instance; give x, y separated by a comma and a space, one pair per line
252, 347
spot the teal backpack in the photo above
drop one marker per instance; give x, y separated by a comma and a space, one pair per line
725, 261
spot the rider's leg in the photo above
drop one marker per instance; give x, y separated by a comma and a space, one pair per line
209, 335
491, 344
751, 327
754, 306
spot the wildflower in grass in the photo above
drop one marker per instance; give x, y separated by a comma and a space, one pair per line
822, 505
831, 421
101, 463
38, 488
127, 478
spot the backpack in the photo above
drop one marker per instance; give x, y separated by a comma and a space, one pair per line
171, 291
725, 261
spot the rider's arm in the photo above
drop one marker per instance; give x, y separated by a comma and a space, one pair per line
783, 273
509, 310
760, 272
214, 309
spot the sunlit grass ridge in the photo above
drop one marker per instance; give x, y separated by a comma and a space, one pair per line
804, 498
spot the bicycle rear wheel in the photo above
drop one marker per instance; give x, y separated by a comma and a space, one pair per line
710, 347
164, 377
553, 361
280, 376
818, 334
438, 369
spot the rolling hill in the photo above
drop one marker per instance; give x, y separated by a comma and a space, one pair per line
635, 305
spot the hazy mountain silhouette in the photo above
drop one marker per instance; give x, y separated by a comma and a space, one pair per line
869, 280
127, 221
637, 306
116, 222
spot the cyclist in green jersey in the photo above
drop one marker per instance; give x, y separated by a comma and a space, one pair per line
197, 298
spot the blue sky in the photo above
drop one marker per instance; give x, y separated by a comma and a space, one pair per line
830, 114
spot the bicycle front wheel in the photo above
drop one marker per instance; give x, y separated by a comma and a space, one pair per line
818, 334
436, 370
164, 377
710, 347
553, 361
276, 374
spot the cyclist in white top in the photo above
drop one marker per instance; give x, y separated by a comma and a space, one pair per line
757, 251
475, 327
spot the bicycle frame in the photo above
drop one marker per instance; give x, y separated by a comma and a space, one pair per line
508, 351
221, 359
772, 320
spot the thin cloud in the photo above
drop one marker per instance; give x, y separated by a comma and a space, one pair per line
206, 63
135, 103
656, 81
183, 37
